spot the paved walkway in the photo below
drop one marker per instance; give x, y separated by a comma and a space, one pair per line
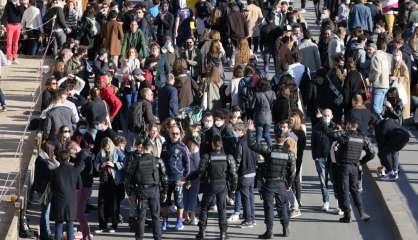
20, 84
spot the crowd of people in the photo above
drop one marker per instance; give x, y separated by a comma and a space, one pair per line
140, 99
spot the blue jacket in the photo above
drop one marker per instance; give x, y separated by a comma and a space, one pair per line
168, 102
176, 160
360, 16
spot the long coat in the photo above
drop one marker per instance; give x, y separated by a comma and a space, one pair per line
63, 187
185, 85
112, 34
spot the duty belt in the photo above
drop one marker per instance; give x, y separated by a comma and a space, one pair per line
276, 179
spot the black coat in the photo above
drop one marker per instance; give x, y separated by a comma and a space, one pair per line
362, 116
353, 85
94, 111
64, 181
321, 143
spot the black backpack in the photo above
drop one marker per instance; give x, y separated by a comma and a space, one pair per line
136, 121
306, 87
148, 172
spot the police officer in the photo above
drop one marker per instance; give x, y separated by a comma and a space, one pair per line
348, 158
276, 174
216, 169
147, 178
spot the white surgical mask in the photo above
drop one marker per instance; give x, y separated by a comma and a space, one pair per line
327, 120
208, 124
66, 135
397, 58
237, 114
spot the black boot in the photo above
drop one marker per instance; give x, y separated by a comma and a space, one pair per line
201, 234
266, 235
346, 218
223, 235
286, 231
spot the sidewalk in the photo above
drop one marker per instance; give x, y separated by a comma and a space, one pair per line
20, 84
401, 197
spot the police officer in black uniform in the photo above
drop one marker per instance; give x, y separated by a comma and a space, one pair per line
147, 178
216, 171
276, 174
348, 151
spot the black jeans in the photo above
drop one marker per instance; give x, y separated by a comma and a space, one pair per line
148, 198
219, 192
108, 204
348, 185
275, 191
317, 9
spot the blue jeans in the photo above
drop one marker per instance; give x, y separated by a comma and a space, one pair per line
378, 100
2, 98
247, 198
263, 130
44, 225
190, 196
131, 99
321, 169
59, 227
237, 203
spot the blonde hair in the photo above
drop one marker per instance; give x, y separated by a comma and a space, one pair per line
107, 142
243, 53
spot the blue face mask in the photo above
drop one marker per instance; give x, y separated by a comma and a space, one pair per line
82, 131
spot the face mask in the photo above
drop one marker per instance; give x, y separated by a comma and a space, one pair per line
195, 134
66, 135
327, 120
237, 114
208, 125
98, 127
219, 123
82, 131
397, 58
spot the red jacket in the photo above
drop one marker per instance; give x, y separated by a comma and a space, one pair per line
108, 95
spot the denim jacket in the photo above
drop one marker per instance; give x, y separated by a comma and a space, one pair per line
119, 163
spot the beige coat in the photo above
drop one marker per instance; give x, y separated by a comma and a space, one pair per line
112, 34
254, 17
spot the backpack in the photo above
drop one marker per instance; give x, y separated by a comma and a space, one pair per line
245, 93
306, 87
94, 26
136, 121
148, 172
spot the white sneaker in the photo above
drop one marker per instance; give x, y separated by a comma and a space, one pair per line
234, 218
295, 213
340, 212
111, 230
302, 10
15, 62
325, 207
213, 209
195, 222
98, 231
8, 62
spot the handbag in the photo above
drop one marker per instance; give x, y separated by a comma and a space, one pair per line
366, 94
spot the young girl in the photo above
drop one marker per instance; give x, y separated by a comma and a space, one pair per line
110, 162
192, 141
132, 61
243, 53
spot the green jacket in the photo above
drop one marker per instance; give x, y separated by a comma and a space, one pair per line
135, 40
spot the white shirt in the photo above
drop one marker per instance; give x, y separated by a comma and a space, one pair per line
232, 90
297, 70
32, 19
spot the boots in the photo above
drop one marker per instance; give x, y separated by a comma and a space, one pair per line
286, 231
223, 235
201, 234
267, 235
346, 218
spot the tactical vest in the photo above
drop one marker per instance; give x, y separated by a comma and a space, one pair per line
217, 168
277, 166
352, 152
147, 172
